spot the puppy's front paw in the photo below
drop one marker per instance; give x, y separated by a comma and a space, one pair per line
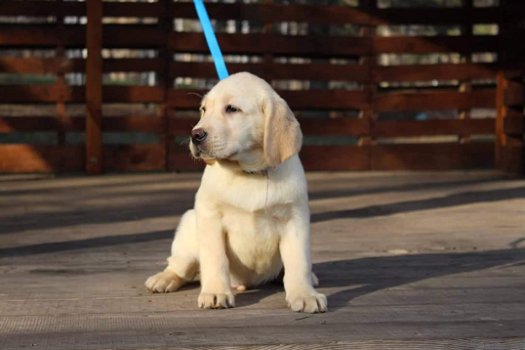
216, 300
310, 302
164, 282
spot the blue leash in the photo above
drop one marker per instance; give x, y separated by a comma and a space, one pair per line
211, 40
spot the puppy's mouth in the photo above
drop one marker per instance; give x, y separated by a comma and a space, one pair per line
197, 151
202, 152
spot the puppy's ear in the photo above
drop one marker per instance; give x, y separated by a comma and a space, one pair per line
282, 134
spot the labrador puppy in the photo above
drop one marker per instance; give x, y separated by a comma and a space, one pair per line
251, 216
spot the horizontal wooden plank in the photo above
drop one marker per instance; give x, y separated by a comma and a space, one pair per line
512, 158
335, 126
40, 158
335, 157
51, 93
438, 44
381, 129
34, 65
68, 124
134, 94
307, 99
119, 36
514, 125
181, 126
133, 36
430, 72
269, 13
412, 128
312, 45
180, 159
146, 36
134, 157
435, 15
134, 9
317, 71
310, 126
344, 14
310, 71
301, 99
31, 123
53, 158
326, 99
513, 11
137, 36
132, 64
31, 8
434, 156
118, 65
514, 93
512, 69
152, 124
439, 100
304, 99
399, 157
39, 94
41, 36
249, 12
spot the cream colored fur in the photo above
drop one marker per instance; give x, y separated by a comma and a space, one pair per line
251, 214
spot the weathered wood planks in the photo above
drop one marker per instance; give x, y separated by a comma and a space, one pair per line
407, 260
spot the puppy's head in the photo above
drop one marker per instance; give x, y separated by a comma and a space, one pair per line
244, 120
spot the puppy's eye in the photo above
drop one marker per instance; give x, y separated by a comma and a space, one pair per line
202, 109
232, 109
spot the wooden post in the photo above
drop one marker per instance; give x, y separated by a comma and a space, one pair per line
510, 123
370, 61
93, 163
165, 80
466, 86
510, 101
60, 84
501, 114
267, 56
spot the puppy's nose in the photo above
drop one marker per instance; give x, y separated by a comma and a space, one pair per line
198, 135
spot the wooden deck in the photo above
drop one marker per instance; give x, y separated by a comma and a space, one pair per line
408, 261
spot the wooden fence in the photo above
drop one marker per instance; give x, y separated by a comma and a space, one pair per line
376, 87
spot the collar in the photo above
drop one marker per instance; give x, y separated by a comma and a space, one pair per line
235, 166
263, 172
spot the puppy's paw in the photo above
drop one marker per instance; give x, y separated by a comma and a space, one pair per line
216, 300
164, 282
310, 302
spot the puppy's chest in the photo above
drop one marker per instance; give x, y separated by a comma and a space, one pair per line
267, 220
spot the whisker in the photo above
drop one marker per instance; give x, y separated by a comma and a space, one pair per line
195, 94
184, 141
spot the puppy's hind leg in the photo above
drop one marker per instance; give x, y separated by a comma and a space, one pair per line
183, 264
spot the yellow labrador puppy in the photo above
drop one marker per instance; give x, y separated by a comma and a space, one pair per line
251, 214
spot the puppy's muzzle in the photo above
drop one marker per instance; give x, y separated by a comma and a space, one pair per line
198, 136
